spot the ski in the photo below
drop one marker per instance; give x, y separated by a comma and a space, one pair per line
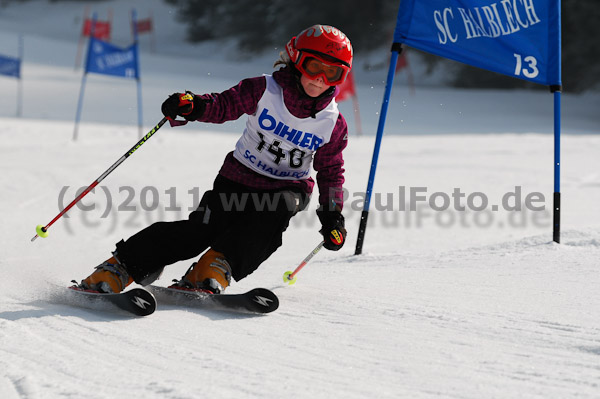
258, 300
136, 301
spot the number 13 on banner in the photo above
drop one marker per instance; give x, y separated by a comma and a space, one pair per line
531, 71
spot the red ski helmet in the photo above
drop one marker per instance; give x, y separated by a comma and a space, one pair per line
321, 50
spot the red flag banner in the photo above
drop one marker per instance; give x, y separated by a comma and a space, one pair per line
346, 89
144, 25
101, 29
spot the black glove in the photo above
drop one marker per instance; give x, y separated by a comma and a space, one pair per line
333, 231
185, 104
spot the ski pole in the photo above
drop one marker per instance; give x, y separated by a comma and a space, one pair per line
289, 277
42, 231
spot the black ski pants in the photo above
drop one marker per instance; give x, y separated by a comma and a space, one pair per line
244, 224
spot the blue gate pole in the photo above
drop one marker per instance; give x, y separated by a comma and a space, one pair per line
396, 50
137, 67
556, 199
556, 89
83, 79
139, 91
79, 106
20, 78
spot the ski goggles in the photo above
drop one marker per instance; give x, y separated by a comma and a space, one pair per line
313, 67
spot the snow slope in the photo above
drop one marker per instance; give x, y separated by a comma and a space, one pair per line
457, 304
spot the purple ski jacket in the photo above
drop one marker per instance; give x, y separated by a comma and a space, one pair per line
243, 99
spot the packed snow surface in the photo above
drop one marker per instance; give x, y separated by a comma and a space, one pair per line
442, 303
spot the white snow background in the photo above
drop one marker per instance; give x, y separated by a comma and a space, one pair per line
453, 304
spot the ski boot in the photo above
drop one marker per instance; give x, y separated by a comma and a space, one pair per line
109, 277
211, 274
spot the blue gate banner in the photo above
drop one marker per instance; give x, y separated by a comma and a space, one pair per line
519, 38
107, 59
10, 66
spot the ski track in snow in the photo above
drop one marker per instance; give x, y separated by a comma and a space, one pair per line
493, 322
430, 309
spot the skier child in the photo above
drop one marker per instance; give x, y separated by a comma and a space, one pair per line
292, 120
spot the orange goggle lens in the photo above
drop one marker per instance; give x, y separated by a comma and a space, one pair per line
333, 74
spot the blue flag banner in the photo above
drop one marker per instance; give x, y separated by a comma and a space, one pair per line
519, 38
10, 66
107, 59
